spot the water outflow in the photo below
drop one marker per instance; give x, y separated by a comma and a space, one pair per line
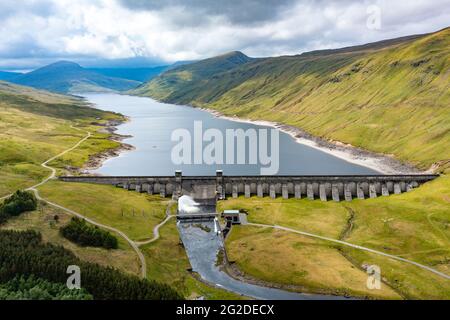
187, 205
203, 244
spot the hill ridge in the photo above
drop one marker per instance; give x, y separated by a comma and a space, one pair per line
371, 98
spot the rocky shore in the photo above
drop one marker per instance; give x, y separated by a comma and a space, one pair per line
385, 164
96, 161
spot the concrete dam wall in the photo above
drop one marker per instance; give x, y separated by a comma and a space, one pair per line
336, 188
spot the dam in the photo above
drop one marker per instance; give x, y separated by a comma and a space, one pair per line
220, 186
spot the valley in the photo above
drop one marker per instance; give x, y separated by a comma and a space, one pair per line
390, 98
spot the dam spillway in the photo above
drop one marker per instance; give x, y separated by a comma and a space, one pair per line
220, 186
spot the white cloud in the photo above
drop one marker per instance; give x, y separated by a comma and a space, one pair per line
34, 31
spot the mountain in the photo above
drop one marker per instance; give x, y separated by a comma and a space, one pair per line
391, 96
179, 82
136, 74
6, 75
69, 77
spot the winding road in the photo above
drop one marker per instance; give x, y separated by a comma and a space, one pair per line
156, 234
53, 175
136, 244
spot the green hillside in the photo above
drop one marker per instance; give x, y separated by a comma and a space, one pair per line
37, 125
391, 97
183, 83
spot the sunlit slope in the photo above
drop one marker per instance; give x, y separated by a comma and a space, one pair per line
35, 126
186, 83
390, 97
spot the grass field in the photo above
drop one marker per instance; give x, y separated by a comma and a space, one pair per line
298, 263
413, 225
131, 212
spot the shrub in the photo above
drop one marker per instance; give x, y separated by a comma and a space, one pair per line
80, 232
19, 202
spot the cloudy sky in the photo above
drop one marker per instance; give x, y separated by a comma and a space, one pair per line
155, 32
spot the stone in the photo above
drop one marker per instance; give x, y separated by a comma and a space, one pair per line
259, 190
310, 191
347, 193
384, 190
372, 191
235, 191
335, 193
285, 191
297, 191
359, 192
273, 194
247, 190
397, 188
323, 192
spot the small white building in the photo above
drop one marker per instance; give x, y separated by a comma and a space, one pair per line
232, 216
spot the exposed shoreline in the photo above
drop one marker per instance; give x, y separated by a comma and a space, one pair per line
97, 160
384, 164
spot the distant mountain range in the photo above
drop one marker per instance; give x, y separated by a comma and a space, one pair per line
5, 75
391, 96
69, 77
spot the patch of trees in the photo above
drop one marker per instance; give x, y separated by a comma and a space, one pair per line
80, 232
19, 202
24, 253
32, 288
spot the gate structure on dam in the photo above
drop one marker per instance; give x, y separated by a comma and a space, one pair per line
220, 186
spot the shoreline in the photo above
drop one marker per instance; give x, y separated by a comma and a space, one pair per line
382, 163
96, 161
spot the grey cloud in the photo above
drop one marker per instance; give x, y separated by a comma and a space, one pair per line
42, 8
236, 11
38, 31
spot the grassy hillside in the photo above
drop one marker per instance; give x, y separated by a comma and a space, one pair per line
183, 83
391, 97
413, 225
69, 77
36, 125
136, 74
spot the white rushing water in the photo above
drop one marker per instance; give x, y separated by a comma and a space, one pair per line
187, 205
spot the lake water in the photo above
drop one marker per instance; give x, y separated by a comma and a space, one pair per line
153, 122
